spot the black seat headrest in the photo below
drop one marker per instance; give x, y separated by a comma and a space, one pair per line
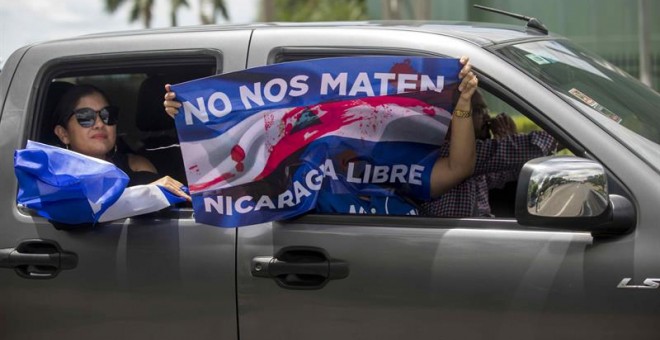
150, 114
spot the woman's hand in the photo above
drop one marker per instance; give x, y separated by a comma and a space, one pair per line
170, 184
173, 186
171, 104
467, 86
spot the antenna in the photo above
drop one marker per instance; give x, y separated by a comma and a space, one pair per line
531, 22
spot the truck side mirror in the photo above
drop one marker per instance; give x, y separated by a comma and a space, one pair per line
564, 192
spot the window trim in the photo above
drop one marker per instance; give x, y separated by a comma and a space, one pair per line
116, 62
109, 64
280, 54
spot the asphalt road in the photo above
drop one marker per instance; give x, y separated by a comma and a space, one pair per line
572, 199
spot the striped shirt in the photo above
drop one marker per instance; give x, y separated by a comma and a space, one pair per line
498, 161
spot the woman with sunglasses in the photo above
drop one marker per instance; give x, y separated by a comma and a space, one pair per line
87, 123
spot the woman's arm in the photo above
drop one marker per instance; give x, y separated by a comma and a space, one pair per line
138, 163
459, 165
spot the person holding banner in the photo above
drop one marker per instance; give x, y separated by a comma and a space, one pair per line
89, 182
384, 182
85, 122
499, 160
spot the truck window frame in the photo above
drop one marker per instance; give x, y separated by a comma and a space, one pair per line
208, 62
488, 85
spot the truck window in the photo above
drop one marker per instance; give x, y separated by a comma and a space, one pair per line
143, 127
500, 197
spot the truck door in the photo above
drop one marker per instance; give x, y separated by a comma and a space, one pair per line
370, 277
160, 276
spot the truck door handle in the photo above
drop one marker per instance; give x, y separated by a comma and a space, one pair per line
37, 259
300, 268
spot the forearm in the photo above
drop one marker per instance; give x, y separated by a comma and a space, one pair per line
462, 154
451, 170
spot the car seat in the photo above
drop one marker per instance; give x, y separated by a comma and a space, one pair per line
160, 143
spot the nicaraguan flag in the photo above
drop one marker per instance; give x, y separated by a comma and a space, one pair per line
266, 143
71, 188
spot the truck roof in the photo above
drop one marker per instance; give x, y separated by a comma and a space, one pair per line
482, 34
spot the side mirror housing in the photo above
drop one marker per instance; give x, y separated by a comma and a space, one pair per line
563, 192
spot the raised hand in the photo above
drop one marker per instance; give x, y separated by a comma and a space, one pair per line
171, 104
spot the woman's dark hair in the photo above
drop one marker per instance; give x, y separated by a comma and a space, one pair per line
477, 100
70, 99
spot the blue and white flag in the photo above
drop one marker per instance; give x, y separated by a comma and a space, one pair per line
71, 188
273, 142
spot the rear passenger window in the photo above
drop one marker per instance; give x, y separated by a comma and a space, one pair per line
137, 89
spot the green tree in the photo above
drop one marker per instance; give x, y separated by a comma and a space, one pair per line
142, 10
213, 7
318, 10
175, 4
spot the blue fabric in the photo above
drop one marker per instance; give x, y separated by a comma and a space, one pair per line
64, 186
329, 202
73, 189
349, 134
172, 198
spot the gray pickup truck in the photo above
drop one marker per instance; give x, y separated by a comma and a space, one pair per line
573, 251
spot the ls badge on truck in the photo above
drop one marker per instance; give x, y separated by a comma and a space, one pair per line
648, 284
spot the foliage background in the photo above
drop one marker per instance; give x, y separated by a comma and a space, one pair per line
319, 10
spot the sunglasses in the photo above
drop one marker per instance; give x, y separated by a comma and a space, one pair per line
86, 116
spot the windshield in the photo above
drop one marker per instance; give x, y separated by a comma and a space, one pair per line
592, 81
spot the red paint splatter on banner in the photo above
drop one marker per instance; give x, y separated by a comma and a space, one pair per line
202, 186
404, 67
332, 116
429, 111
238, 155
335, 118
